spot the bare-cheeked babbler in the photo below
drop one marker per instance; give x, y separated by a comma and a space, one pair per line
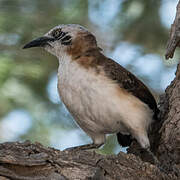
101, 95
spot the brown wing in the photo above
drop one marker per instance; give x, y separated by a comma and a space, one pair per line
129, 82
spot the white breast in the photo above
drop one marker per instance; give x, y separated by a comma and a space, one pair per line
97, 103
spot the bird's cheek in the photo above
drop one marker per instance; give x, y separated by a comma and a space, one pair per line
50, 49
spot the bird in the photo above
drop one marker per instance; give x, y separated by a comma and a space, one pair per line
102, 96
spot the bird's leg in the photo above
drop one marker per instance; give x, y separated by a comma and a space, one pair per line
84, 147
156, 161
98, 141
143, 140
163, 168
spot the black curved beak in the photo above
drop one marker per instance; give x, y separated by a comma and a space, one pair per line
39, 42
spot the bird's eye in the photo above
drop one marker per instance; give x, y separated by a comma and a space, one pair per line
63, 36
57, 33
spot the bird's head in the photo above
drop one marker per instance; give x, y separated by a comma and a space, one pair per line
71, 39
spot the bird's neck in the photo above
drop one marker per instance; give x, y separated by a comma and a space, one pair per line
84, 52
88, 58
64, 58
86, 62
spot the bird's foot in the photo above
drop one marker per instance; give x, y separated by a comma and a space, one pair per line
161, 167
84, 147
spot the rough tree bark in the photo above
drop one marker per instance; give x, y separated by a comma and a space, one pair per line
26, 161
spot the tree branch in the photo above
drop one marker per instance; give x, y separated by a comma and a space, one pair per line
174, 39
33, 161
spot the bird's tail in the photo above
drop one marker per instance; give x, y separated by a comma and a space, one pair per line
124, 140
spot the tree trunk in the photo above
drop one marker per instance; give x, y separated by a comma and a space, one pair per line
26, 161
